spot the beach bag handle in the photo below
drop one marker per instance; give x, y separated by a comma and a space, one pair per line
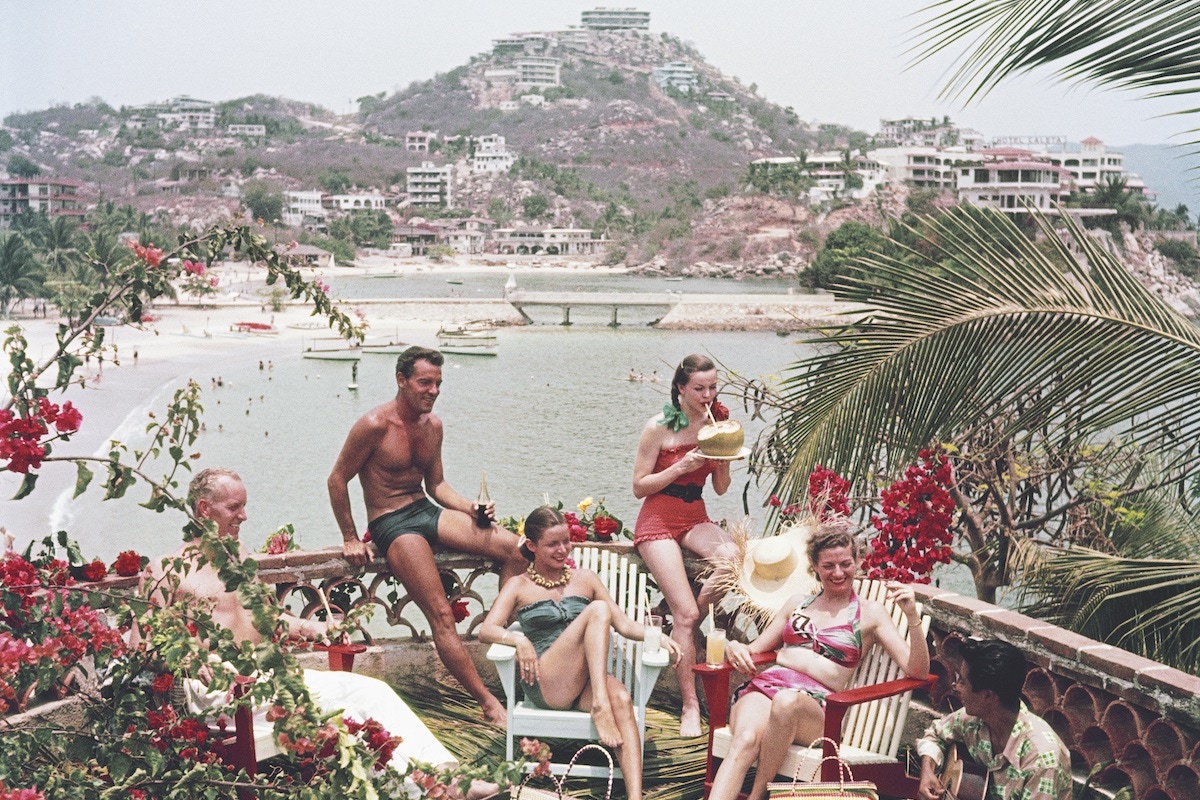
846, 788
558, 782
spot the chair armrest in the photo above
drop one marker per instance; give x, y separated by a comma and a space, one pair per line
501, 652
341, 656
714, 678
649, 666
838, 703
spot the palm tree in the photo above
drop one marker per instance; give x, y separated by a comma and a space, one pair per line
1008, 349
21, 275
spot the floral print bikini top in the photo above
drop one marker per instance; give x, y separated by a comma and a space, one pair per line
841, 644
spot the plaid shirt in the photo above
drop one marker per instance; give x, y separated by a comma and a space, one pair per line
1035, 764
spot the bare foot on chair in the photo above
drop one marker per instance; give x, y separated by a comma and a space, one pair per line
689, 722
494, 713
606, 726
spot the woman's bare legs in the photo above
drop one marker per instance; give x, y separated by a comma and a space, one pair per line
795, 718
748, 723
629, 752
563, 679
664, 559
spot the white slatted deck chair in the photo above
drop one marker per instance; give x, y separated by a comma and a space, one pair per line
867, 718
626, 582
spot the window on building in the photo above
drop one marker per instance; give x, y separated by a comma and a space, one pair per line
981, 175
1007, 175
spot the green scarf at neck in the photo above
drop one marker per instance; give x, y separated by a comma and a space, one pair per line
674, 418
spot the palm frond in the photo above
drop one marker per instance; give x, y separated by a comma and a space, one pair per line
986, 319
1149, 45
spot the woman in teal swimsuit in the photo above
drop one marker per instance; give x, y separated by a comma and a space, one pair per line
564, 612
820, 640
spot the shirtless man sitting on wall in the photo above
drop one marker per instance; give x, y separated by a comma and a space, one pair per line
396, 452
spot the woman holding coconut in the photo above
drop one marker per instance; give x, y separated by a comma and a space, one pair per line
669, 474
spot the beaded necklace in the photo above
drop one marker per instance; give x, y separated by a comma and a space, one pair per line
546, 583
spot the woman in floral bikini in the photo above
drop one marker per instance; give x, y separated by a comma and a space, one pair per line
669, 473
820, 640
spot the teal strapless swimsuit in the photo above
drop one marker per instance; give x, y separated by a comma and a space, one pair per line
543, 622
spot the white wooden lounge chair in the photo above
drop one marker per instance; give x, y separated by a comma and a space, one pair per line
867, 718
627, 585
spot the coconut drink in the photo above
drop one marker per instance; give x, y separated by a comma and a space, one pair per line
723, 439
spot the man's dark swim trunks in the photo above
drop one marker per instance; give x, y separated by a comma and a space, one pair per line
420, 518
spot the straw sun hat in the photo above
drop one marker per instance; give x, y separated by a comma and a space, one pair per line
768, 570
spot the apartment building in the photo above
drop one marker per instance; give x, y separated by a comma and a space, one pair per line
55, 197
418, 141
550, 241
616, 19
304, 209
678, 75
922, 167
254, 131
491, 155
361, 201
537, 71
185, 113
430, 185
1012, 185
922, 132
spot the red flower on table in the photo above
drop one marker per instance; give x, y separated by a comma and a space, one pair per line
95, 571
128, 564
578, 529
605, 527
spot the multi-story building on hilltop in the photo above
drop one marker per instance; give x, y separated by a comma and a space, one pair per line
922, 167
361, 201
678, 75
491, 155
430, 185
537, 71
551, 241
616, 19
253, 131
1012, 185
920, 132
304, 209
418, 141
185, 113
55, 197
1090, 163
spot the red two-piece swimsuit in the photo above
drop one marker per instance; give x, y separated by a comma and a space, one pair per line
666, 517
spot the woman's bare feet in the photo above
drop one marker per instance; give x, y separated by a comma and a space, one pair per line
689, 722
606, 725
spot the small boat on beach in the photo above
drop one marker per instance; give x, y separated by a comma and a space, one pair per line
253, 327
331, 348
384, 345
470, 339
307, 326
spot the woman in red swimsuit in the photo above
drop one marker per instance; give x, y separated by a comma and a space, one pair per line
669, 473
820, 640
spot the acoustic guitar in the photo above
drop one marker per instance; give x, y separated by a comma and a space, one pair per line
962, 777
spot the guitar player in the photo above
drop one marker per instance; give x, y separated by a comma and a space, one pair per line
1023, 757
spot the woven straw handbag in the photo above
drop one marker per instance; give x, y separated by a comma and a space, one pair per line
524, 792
845, 788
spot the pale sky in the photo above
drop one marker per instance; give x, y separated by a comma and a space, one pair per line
839, 61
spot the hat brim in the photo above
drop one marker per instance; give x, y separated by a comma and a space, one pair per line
763, 597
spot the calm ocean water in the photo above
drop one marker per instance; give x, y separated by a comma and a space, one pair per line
553, 414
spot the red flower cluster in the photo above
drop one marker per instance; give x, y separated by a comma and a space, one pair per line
719, 411
460, 611
828, 493
605, 527
149, 254
129, 563
278, 542
95, 571
45, 628
914, 529
376, 737
21, 438
578, 529
186, 735
163, 683
20, 794
194, 268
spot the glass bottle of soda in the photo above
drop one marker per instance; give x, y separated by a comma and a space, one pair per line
482, 520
